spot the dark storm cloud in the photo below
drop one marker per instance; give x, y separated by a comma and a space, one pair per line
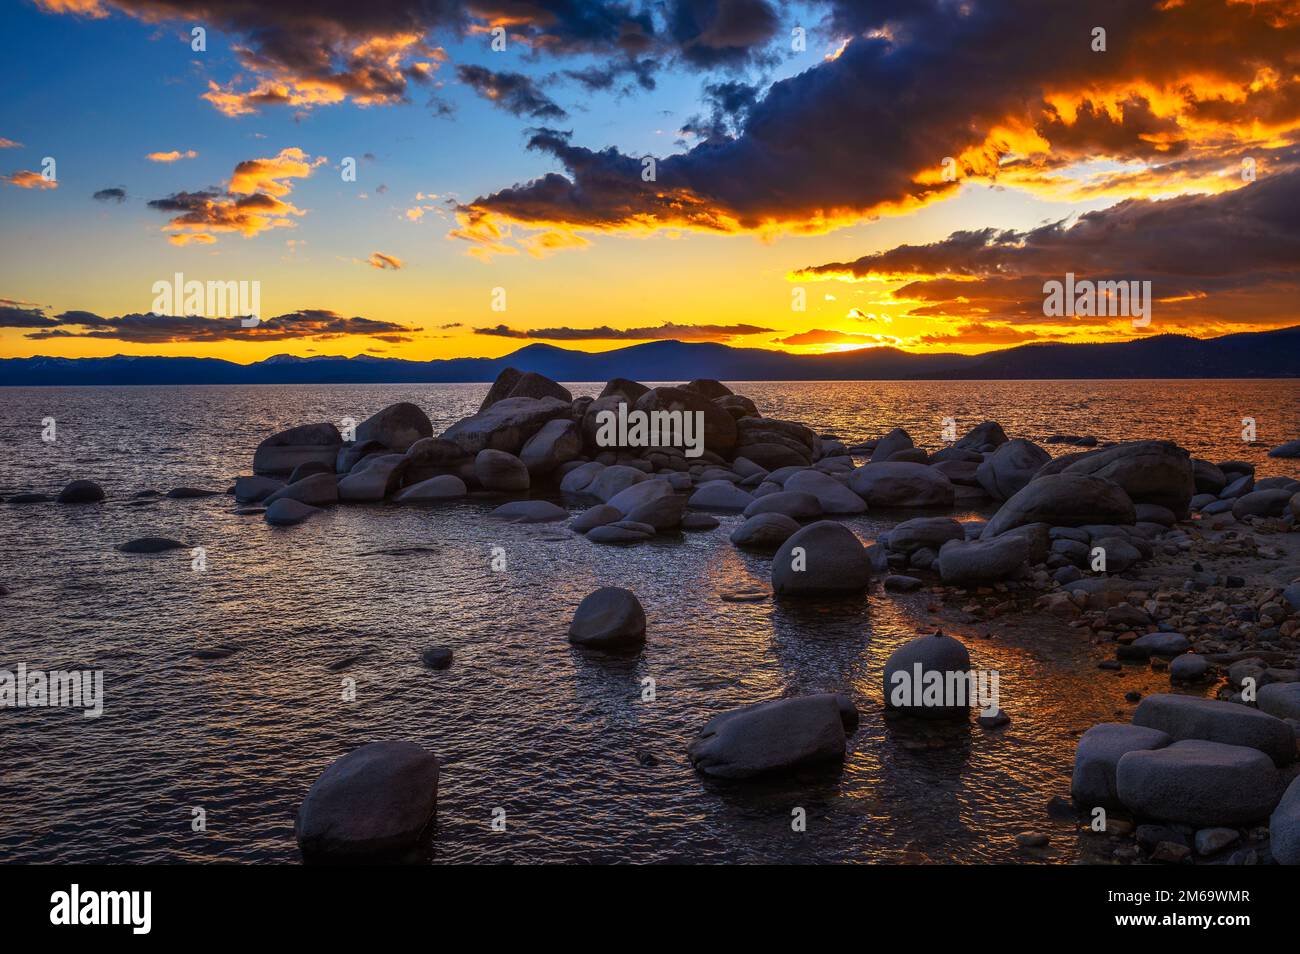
713, 33
13, 316
513, 92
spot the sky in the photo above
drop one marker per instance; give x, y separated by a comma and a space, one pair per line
815, 176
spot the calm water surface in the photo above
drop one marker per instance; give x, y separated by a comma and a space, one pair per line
521, 721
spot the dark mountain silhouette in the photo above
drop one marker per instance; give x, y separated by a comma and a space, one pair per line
1268, 354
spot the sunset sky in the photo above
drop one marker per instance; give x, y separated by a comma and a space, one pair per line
1171, 156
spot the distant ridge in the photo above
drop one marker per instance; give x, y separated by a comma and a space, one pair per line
1266, 354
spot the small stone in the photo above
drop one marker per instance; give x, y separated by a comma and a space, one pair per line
436, 657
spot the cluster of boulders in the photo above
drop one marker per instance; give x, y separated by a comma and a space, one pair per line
1199, 777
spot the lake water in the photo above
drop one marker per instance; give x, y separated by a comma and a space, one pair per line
520, 721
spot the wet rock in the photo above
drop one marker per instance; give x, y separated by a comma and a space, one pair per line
612, 481
1162, 644
191, 493
1284, 827
893, 442
442, 487
26, 498
376, 802
1210, 841
397, 427
797, 506
833, 496
1157, 472
317, 490
151, 545
505, 425
281, 453
373, 478
1195, 782
897, 583
1261, 503
1280, 700
529, 511
772, 737
1188, 667
286, 513
609, 618
699, 522
1010, 468
663, 513
437, 657
720, 495
596, 516
823, 558
81, 491
897, 484
1066, 499
639, 494
764, 531
1289, 449
558, 442
499, 470
255, 489
615, 533
978, 562
923, 678
1188, 717
987, 435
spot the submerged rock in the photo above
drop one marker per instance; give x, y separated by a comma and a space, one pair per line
609, 618
82, 491
529, 511
442, 487
151, 545
255, 489
775, 736
315, 490
833, 496
377, 802
436, 657
720, 495
286, 513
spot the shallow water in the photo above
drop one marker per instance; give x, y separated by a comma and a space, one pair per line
521, 721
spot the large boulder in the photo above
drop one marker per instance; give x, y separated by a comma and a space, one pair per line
1064, 500
1284, 827
719, 427
1214, 720
577, 480
611, 481
927, 532
534, 385
375, 803
397, 427
498, 470
1194, 782
1158, 472
1008, 469
623, 387
771, 737
609, 618
1289, 449
764, 531
281, 453
442, 487
286, 513
1208, 478
833, 496
799, 506
902, 484
759, 437
318, 490
255, 489
501, 387
737, 405
558, 442
505, 425
720, 495
374, 478
985, 436
1261, 503
431, 456
979, 562
639, 493
1281, 700
82, 491
770, 455
708, 387
822, 559
929, 676
889, 445
663, 513
1096, 760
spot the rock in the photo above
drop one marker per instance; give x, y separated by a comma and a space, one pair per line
1212, 720
350, 455
893, 442
529, 511
579, 478
1006, 472
1280, 699
640, 493
929, 532
281, 453
397, 427
255, 489
609, 618
286, 513
376, 802
720, 495
797, 506
662, 513
28, 498
709, 388
833, 496
699, 521
612, 481
1157, 472
923, 678
1210, 841
81, 491
1162, 644
770, 456
720, 433
1237, 487
501, 387
436, 657
770, 737
442, 487
432, 457
1289, 449
617, 533
897, 583
308, 468
1207, 478
1065, 499
977, 562
190, 493
1284, 827
623, 387
1170, 853
530, 384
897, 484
764, 531
597, 516
317, 490
505, 425
987, 435
374, 478
1154, 513
151, 545
1194, 782
501, 471
1188, 667
558, 442
1097, 758
823, 558
913, 455
1261, 503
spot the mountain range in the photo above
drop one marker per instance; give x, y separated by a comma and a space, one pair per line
1267, 354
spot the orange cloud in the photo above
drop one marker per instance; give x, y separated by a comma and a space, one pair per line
26, 179
174, 156
381, 261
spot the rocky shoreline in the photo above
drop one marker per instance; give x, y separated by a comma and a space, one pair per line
1182, 565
